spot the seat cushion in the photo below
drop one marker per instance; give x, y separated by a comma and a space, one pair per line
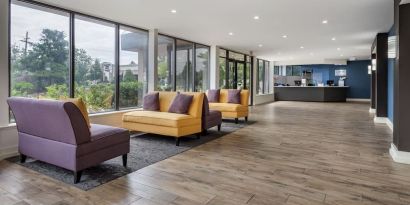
103, 137
228, 107
160, 118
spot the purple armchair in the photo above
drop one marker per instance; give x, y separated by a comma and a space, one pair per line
210, 118
57, 133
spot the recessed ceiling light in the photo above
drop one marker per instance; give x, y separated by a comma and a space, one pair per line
325, 21
334, 39
256, 17
173, 11
285, 36
230, 33
338, 49
341, 55
312, 54
260, 45
302, 47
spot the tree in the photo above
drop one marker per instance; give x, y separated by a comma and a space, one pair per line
96, 74
82, 66
128, 76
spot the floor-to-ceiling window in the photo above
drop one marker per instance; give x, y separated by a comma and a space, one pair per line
235, 70
201, 68
265, 77
261, 77
222, 68
95, 63
57, 53
39, 66
133, 66
165, 63
184, 66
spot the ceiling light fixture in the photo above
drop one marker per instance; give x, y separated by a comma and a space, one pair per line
333, 39
260, 45
338, 49
256, 17
302, 47
173, 11
341, 55
325, 21
230, 33
285, 36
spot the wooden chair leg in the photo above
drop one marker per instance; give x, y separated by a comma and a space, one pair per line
124, 160
246, 119
204, 132
77, 176
177, 141
219, 127
236, 120
198, 136
23, 158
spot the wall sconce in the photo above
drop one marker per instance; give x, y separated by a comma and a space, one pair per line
374, 63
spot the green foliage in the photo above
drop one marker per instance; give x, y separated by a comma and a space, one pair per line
128, 76
57, 91
22, 89
129, 93
96, 73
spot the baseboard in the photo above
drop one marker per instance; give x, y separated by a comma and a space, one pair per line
399, 156
389, 124
8, 152
380, 120
371, 110
357, 100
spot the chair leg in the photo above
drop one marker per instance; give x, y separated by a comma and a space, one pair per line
246, 119
177, 141
198, 135
205, 132
77, 176
23, 158
124, 160
236, 120
219, 127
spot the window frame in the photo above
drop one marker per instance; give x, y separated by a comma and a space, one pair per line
71, 37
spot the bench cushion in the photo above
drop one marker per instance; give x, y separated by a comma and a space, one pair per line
228, 107
161, 118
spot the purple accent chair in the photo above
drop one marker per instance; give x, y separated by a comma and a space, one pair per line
210, 118
57, 133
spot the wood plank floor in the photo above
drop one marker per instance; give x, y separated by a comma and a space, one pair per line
296, 153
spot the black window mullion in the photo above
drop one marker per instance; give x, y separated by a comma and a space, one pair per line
72, 56
193, 68
117, 67
175, 66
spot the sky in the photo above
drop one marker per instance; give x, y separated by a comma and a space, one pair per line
96, 38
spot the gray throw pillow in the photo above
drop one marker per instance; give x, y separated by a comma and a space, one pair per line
213, 95
151, 102
181, 104
234, 96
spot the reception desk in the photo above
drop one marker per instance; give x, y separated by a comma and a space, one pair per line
311, 93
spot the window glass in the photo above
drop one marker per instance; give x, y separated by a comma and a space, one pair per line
39, 39
165, 63
267, 77
261, 74
222, 53
184, 70
133, 66
236, 56
222, 73
95, 63
201, 68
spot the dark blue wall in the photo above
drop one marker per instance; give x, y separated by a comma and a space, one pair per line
357, 76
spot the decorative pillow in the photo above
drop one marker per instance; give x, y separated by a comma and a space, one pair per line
213, 95
181, 104
81, 106
234, 96
151, 102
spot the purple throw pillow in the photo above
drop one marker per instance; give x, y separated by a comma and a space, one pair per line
181, 104
213, 95
151, 102
234, 96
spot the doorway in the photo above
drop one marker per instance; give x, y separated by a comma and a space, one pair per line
238, 75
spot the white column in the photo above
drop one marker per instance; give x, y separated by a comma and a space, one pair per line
4, 66
152, 60
214, 68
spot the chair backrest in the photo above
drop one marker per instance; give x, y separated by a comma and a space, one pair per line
50, 119
223, 97
195, 110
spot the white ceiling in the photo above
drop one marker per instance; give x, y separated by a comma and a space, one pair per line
354, 24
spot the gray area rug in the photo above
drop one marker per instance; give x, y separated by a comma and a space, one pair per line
145, 149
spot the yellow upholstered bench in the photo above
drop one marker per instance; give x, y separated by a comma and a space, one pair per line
164, 123
230, 110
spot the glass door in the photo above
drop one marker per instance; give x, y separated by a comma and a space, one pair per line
236, 75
